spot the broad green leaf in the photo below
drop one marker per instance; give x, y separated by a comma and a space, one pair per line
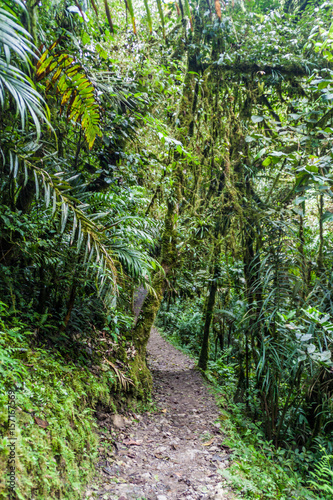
257, 119
267, 161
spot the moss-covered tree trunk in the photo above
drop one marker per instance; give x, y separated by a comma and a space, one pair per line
183, 133
147, 314
204, 352
32, 19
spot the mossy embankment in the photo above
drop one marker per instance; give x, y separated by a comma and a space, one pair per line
47, 405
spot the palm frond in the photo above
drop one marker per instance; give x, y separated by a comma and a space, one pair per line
15, 40
124, 381
135, 262
82, 229
119, 252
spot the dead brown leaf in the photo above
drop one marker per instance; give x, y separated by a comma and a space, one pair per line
41, 423
218, 9
130, 442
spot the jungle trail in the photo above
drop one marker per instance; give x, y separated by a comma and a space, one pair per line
166, 255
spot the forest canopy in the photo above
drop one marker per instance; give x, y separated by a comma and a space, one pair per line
184, 148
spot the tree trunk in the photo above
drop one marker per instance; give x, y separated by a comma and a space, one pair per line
320, 259
70, 305
169, 261
204, 353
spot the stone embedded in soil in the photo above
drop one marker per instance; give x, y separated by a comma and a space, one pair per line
169, 460
118, 421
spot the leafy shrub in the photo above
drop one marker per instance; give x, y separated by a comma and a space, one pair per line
323, 475
258, 469
183, 323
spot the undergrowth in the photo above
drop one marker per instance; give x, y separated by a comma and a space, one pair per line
53, 402
258, 470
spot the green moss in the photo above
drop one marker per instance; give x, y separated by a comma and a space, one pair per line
56, 445
141, 377
139, 372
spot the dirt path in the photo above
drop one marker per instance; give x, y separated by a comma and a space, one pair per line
173, 453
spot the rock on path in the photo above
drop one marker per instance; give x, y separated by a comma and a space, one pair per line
173, 453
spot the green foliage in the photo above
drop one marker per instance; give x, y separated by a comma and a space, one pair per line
258, 469
67, 77
54, 400
16, 45
182, 322
203, 148
323, 475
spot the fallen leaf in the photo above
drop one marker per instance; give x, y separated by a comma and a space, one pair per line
161, 457
208, 442
130, 442
41, 423
108, 471
164, 411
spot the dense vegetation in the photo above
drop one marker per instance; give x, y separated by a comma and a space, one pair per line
183, 147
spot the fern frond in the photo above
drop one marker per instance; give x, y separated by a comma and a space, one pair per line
77, 92
323, 474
